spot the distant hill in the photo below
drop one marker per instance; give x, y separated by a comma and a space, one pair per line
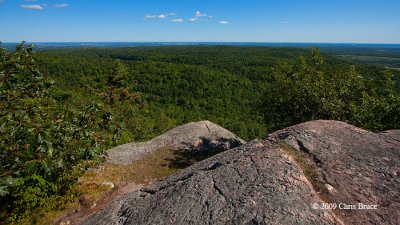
387, 55
60, 45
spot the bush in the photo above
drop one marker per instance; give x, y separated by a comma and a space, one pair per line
304, 91
44, 145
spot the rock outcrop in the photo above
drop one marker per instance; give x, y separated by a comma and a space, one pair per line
357, 166
299, 175
192, 135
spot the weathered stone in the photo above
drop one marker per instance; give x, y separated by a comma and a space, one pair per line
366, 161
240, 186
263, 183
190, 135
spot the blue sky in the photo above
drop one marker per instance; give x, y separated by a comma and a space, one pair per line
339, 21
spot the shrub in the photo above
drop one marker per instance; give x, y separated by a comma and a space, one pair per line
44, 145
303, 91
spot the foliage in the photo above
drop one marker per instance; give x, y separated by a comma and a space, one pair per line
44, 144
117, 87
182, 84
177, 85
304, 91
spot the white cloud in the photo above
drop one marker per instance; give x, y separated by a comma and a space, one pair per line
33, 7
150, 17
161, 16
199, 14
60, 5
223, 22
177, 20
284, 22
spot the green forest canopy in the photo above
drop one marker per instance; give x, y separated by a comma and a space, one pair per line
181, 84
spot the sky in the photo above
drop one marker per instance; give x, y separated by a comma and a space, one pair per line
322, 21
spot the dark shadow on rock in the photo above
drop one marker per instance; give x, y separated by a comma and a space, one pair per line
203, 149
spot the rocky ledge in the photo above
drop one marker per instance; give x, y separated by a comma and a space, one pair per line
320, 172
195, 135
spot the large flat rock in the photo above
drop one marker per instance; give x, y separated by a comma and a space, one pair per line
262, 182
256, 183
190, 135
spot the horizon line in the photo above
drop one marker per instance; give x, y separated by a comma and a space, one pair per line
261, 42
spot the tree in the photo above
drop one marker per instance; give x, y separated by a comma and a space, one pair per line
117, 85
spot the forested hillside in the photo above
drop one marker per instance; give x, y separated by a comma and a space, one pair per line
177, 84
181, 84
